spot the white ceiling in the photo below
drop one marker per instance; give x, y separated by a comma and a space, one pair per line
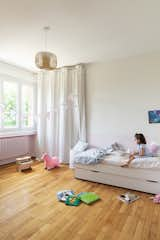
82, 30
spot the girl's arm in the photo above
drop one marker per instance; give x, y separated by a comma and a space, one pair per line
141, 153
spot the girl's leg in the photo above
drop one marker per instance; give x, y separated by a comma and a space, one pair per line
131, 158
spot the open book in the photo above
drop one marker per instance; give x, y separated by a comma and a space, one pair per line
128, 197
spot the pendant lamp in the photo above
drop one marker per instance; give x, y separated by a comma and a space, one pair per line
44, 59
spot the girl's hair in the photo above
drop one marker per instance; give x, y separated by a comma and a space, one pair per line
141, 138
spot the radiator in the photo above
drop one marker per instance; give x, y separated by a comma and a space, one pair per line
12, 147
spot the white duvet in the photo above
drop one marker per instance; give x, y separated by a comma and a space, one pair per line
142, 162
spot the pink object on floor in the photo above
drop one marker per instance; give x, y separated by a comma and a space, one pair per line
156, 199
50, 162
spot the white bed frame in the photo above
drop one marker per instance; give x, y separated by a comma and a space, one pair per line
145, 180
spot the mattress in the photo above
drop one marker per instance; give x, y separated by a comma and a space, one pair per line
142, 162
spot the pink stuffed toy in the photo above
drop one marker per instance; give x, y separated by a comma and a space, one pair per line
50, 162
156, 199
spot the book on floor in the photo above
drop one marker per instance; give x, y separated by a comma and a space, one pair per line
128, 197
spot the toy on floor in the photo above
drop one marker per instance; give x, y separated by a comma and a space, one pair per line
24, 163
73, 200
50, 162
156, 199
88, 197
63, 195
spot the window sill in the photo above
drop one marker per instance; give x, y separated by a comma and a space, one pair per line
17, 133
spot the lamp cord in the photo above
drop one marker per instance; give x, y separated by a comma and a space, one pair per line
46, 29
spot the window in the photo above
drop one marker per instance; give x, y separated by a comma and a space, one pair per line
10, 96
17, 105
27, 106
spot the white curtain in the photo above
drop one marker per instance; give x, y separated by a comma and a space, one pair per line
61, 110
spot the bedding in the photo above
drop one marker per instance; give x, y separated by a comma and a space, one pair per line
80, 147
114, 157
117, 158
90, 156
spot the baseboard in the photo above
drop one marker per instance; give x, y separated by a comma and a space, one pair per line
6, 161
11, 160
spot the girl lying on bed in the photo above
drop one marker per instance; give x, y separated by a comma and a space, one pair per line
142, 149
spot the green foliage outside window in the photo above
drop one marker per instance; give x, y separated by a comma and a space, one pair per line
10, 107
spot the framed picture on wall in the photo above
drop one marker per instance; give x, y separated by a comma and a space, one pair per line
154, 116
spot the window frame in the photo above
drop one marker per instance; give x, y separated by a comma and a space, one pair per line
20, 83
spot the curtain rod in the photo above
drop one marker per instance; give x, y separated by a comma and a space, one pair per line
70, 66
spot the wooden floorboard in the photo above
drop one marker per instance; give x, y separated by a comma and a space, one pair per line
29, 209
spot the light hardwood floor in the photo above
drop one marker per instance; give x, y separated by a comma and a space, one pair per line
29, 209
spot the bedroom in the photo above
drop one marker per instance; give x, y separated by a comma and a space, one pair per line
105, 83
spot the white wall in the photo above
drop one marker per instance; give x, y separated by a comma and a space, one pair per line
16, 72
119, 94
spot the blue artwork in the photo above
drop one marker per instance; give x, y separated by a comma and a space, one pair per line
154, 116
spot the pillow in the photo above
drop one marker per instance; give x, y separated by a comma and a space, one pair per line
80, 146
88, 197
155, 149
117, 147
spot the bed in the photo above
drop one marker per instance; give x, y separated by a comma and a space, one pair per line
139, 176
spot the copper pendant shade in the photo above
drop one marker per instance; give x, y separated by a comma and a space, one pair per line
44, 59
